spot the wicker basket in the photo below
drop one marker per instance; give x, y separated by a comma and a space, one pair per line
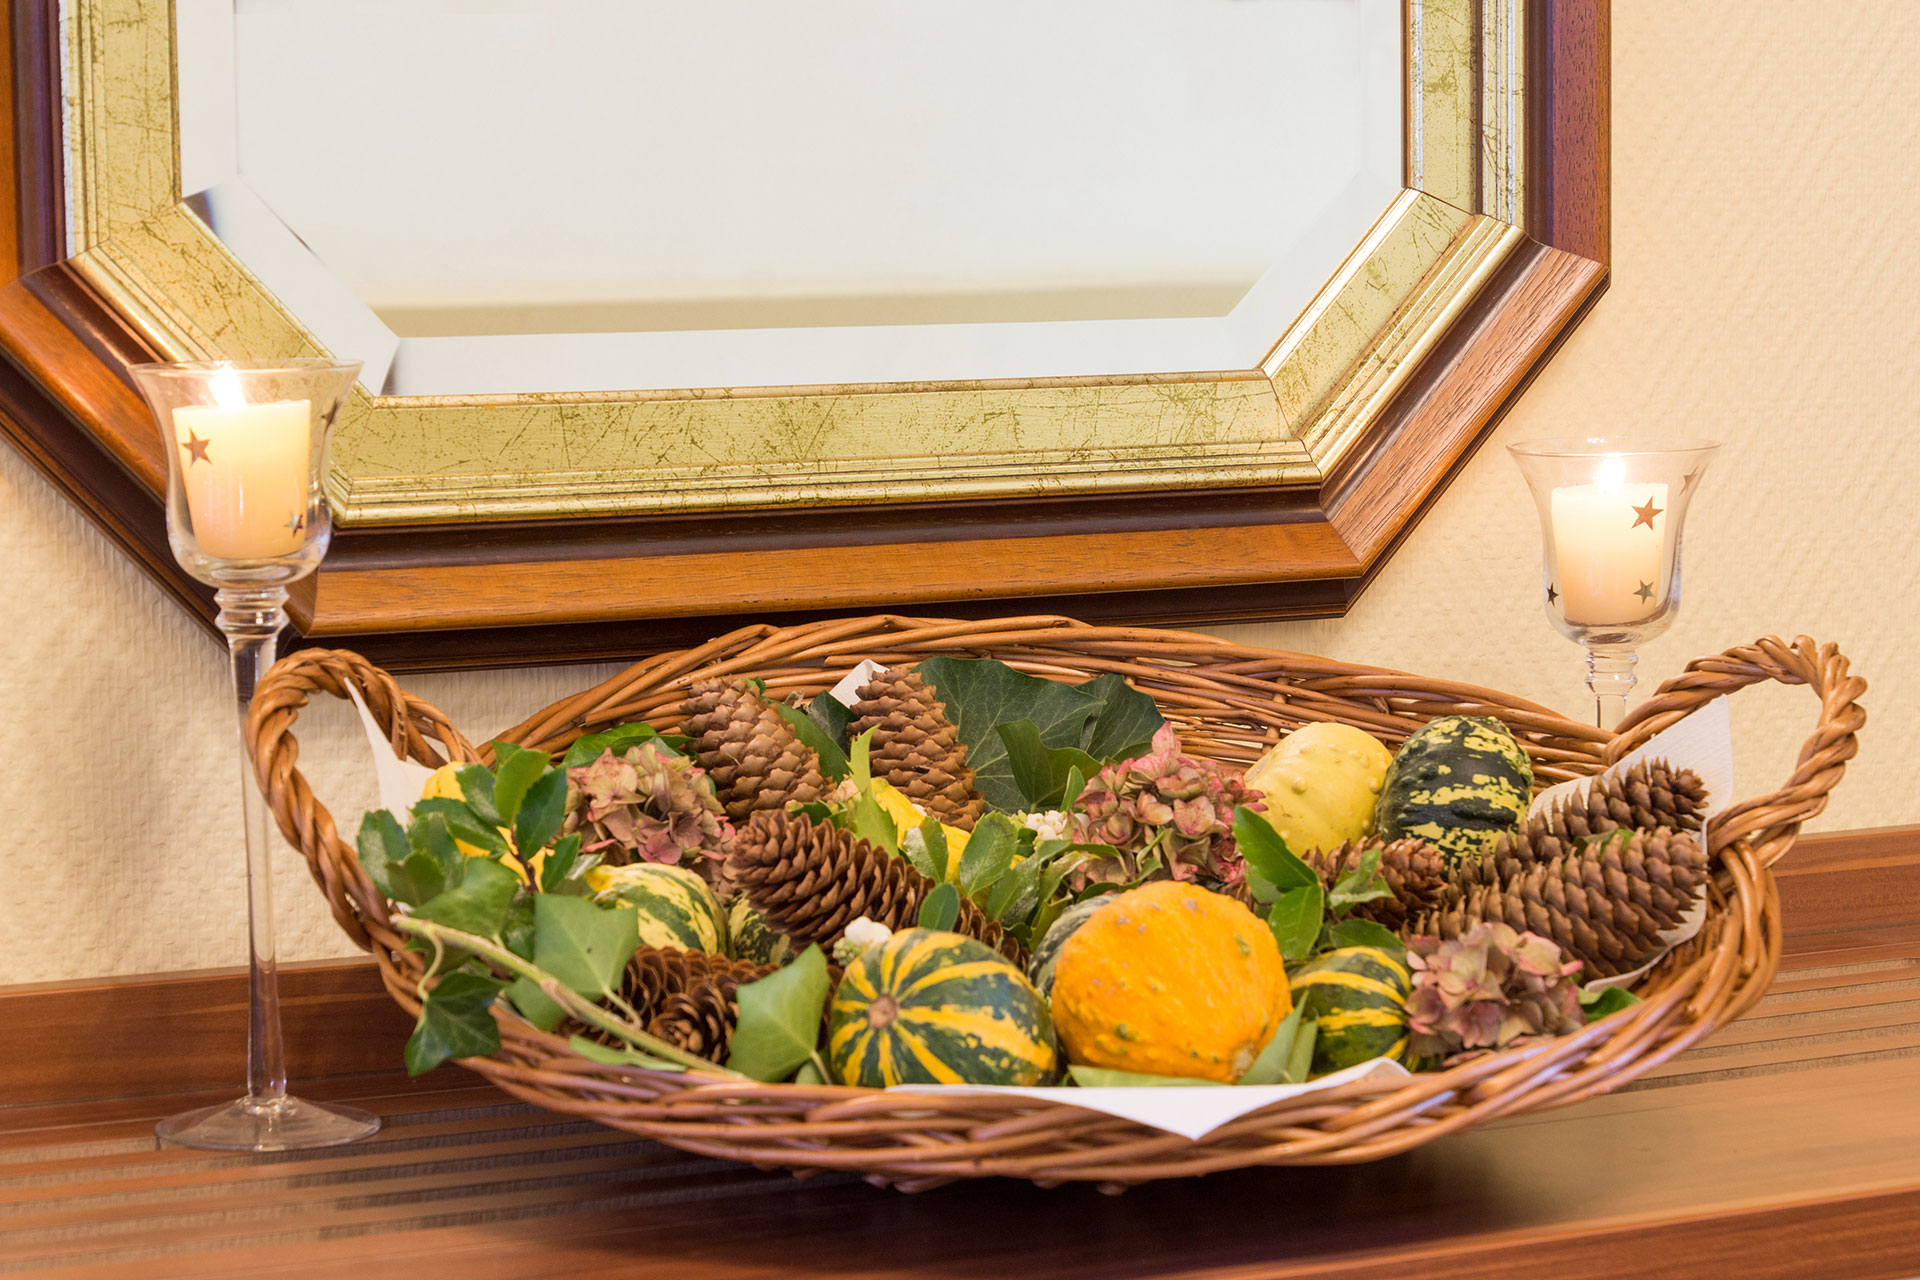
1229, 702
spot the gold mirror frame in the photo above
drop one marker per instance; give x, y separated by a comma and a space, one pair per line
407, 459
1294, 479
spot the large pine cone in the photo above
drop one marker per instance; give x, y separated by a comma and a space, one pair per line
1650, 795
915, 746
1413, 869
1606, 904
811, 882
753, 757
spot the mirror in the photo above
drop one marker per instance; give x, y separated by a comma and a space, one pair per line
604, 195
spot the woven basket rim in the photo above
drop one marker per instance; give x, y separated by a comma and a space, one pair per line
1227, 701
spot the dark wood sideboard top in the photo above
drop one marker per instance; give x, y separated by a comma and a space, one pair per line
1787, 1146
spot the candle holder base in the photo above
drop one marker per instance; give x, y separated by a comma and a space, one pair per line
268, 1124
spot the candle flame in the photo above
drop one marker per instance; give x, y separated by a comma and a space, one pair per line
1612, 474
227, 392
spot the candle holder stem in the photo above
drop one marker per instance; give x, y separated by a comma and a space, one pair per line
266, 1119
1610, 676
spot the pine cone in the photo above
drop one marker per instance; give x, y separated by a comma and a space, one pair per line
1650, 795
656, 973
1413, 869
915, 746
753, 757
811, 882
1605, 905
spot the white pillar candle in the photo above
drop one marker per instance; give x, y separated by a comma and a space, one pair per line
1609, 538
245, 468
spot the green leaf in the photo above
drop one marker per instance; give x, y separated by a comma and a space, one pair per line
1017, 893
833, 761
517, 935
860, 761
541, 813
1124, 725
1606, 1001
454, 1022
926, 847
1266, 852
594, 1051
780, 1018
478, 904
384, 855
1364, 933
535, 1005
1300, 1059
1295, 921
1271, 1066
559, 861
988, 854
1076, 783
1107, 1078
1362, 884
431, 839
584, 945
463, 823
813, 811
809, 1074
980, 694
833, 716
476, 788
1039, 771
618, 739
515, 770
941, 908
1264, 891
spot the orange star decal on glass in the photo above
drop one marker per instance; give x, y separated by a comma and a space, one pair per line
196, 449
1644, 515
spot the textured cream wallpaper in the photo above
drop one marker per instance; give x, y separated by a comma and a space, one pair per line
1765, 157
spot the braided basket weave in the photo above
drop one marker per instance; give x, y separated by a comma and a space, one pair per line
1228, 702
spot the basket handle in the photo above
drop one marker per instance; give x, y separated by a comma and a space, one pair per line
412, 727
1768, 823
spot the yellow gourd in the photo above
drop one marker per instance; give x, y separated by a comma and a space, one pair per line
1321, 783
1171, 980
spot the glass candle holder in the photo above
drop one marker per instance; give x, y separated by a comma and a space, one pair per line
1611, 514
246, 514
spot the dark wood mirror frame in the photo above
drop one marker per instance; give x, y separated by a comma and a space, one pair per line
424, 596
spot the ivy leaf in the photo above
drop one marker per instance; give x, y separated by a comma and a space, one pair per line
1076, 783
594, 1051
385, 855
1108, 1078
618, 739
535, 1005
463, 823
1300, 1058
1266, 852
559, 861
1271, 1066
988, 854
1125, 723
1039, 771
541, 813
584, 945
1608, 1000
1295, 921
476, 788
833, 761
515, 770
454, 1022
940, 908
779, 1024
1364, 933
809, 1074
478, 904
833, 716
981, 694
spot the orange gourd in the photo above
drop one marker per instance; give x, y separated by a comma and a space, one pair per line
1170, 979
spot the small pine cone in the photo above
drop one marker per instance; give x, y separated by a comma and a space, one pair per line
811, 882
656, 973
1413, 869
916, 748
753, 757
701, 1021
1606, 905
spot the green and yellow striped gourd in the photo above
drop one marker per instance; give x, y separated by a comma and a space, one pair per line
676, 907
1457, 784
750, 937
926, 1007
1358, 997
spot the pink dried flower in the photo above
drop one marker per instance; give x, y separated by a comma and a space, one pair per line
1164, 804
647, 805
1492, 988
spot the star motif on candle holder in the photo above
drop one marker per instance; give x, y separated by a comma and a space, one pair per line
1644, 515
196, 448
1686, 481
296, 522
1645, 592
1552, 595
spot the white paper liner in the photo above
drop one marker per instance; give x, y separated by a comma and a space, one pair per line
401, 781
847, 692
1703, 742
1190, 1111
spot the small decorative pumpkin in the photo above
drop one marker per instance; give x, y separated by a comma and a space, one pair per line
928, 1007
750, 937
1457, 784
676, 907
1321, 783
1171, 980
1358, 998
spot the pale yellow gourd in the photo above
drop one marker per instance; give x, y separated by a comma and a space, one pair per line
1321, 783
